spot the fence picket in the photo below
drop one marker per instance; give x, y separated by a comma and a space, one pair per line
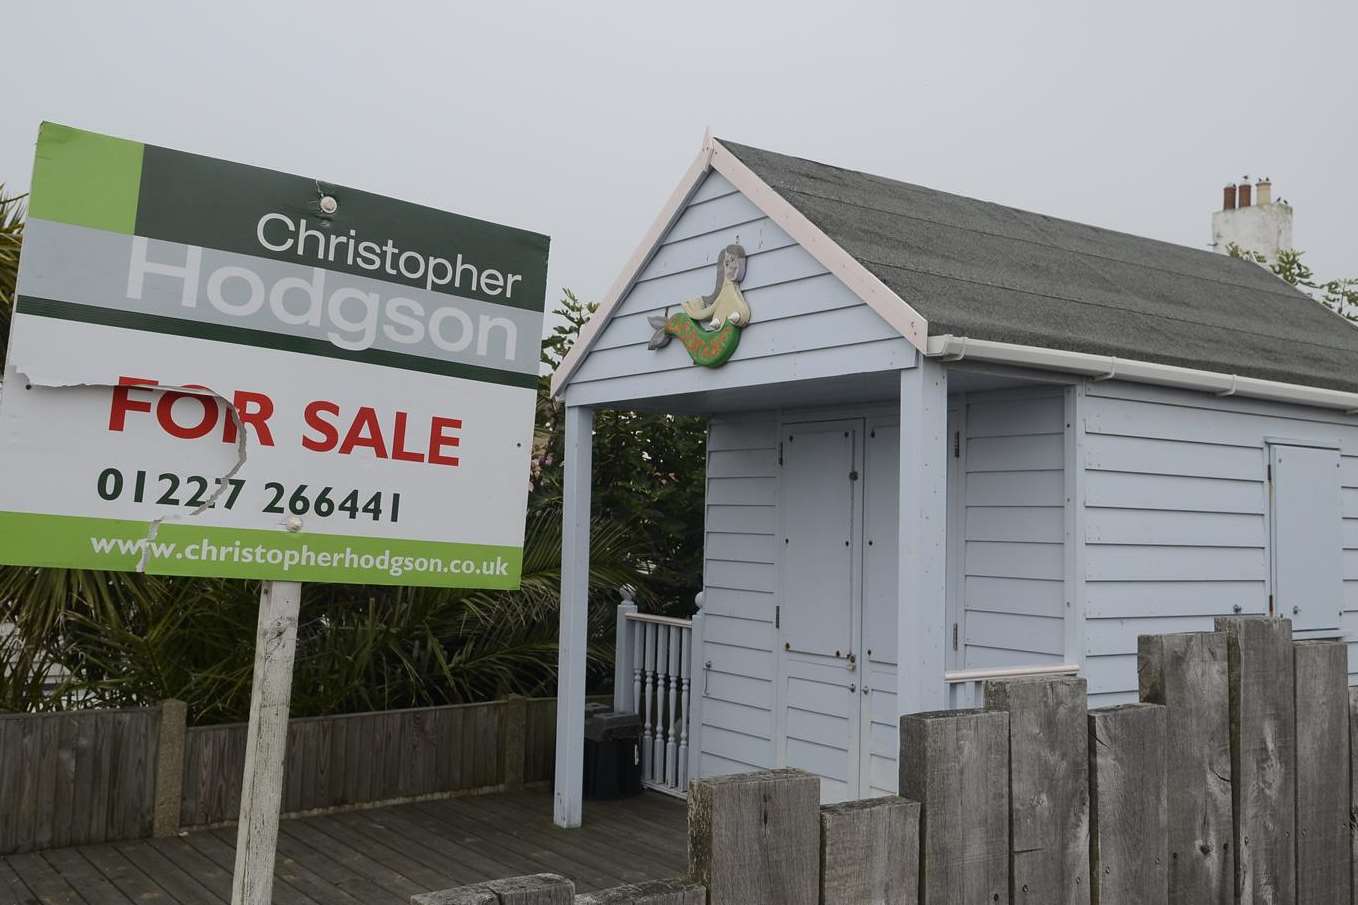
1263, 756
1324, 874
1129, 843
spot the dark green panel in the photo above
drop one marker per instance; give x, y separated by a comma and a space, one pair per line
214, 203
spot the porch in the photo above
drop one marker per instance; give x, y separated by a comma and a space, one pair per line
377, 856
945, 541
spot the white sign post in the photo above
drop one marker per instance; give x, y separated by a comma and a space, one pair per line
261, 793
219, 370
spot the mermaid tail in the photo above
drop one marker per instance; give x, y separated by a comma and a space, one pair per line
709, 348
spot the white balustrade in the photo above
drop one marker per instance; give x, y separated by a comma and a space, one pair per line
655, 653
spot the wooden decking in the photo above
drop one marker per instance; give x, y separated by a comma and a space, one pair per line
380, 856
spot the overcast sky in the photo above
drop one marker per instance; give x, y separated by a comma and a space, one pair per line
577, 119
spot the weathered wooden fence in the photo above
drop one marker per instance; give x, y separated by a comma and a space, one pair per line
71, 778
105, 775
1230, 783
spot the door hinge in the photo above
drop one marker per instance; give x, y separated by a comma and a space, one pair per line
1270, 604
954, 636
778, 617
780, 452
1268, 472
957, 444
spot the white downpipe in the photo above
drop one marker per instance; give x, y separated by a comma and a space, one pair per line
1105, 367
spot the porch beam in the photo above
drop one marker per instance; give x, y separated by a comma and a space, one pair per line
922, 620
572, 637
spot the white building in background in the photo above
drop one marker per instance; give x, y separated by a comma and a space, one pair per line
1251, 219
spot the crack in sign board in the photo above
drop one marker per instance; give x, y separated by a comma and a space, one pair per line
153, 526
406, 452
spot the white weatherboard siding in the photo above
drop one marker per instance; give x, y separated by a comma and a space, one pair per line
806, 323
739, 586
1014, 591
1176, 517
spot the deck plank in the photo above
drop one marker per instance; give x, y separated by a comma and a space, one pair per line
182, 886
366, 829
126, 876
219, 846
391, 880
13, 891
378, 856
391, 858
469, 864
337, 873
592, 863
92, 884
44, 884
649, 850
182, 854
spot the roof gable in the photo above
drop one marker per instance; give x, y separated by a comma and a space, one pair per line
792, 225
989, 272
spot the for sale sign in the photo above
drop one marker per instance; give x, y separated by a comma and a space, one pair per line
216, 369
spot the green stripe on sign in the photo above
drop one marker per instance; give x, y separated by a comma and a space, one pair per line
263, 339
117, 545
86, 179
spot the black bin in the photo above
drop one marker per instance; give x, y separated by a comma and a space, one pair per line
612, 756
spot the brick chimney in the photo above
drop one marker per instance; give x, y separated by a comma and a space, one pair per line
1264, 228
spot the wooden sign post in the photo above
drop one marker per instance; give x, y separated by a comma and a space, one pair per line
261, 793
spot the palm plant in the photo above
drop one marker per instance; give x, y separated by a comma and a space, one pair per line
128, 640
11, 237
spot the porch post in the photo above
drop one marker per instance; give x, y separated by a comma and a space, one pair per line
572, 639
922, 630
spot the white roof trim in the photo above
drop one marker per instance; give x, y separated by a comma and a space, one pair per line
635, 264
892, 308
861, 281
1104, 367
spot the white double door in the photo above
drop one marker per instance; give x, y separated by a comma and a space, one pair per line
836, 619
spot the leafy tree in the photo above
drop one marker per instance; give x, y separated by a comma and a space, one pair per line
1339, 295
649, 474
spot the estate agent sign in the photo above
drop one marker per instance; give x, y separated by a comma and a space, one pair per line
216, 369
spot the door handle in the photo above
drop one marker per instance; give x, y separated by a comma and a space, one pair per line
866, 689
853, 687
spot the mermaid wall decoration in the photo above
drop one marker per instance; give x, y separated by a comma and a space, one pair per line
709, 327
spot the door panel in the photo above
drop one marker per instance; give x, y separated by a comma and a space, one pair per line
818, 556
881, 575
821, 729
881, 505
1306, 535
819, 610
881, 739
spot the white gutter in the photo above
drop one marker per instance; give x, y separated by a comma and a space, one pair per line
1104, 367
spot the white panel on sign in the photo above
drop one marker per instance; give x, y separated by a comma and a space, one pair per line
1306, 536
817, 511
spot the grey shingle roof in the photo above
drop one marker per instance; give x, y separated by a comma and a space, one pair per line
986, 271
